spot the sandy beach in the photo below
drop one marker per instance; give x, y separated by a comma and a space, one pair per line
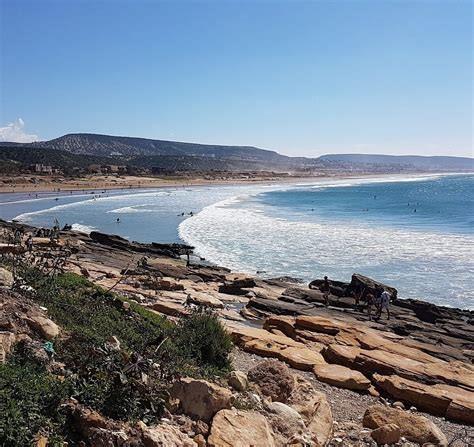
35, 184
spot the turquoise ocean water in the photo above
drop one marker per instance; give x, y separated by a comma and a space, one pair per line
415, 233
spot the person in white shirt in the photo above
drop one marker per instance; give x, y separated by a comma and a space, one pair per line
383, 302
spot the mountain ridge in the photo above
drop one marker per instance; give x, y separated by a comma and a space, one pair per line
148, 153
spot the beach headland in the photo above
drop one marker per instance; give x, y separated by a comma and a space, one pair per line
415, 368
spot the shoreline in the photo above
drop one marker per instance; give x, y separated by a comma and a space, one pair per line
136, 183
31, 206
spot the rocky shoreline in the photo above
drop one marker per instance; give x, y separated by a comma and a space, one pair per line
421, 359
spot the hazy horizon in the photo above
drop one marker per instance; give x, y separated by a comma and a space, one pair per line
300, 78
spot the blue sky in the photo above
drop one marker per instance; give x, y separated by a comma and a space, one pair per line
300, 77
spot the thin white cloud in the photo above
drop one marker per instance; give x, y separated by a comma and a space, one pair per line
15, 133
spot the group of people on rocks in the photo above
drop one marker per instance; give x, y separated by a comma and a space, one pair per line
52, 233
379, 299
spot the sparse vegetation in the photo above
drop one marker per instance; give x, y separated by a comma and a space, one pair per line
202, 338
127, 384
29, 403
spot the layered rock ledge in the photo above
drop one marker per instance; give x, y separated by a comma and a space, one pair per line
422, 357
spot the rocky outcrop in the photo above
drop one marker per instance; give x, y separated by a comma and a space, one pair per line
266, 344
348, 354
199, 398
172, 250
360, 283
237, 287
413, 427
315, 410
297, 411
287, 424
237, 428
444, 400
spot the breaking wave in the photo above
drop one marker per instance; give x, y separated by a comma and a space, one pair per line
83, 228
421, 264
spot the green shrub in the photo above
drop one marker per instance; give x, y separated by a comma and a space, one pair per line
118, 384
202, 338
29, 403
94, 314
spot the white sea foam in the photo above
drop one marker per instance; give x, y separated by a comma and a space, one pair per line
130, 210
246, 238
419, 262
83, 228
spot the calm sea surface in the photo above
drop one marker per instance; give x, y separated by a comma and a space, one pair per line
415, 233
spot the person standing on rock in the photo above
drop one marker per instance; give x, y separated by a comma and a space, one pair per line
29, 243
384, 303
370, 300
326, 290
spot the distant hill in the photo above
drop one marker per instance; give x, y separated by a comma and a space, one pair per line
407, 161
107, 145
82, 149
14, 158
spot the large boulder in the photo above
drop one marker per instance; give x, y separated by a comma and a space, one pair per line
360, 283
6, 278
337, 288
199, 398
166, 435
314, 409
342, 377
413, 427
287, 424
45, 327
237, 428
273, 378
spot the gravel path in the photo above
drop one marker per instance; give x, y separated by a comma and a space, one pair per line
349, 407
